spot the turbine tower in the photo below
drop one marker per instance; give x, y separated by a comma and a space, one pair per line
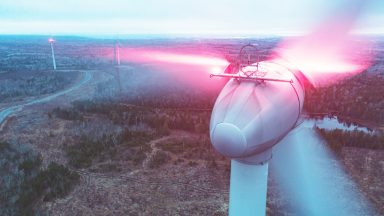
51, 41
117, 63
117, 53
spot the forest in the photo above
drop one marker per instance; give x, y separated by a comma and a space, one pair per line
359, 97
15, 86
337, 139
25, 183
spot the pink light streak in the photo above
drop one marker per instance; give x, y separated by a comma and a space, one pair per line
143, 55
179, 58
329, 52
190, 66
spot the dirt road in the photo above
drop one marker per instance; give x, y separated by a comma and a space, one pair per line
5, 113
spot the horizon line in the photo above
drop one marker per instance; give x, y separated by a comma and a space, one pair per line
219, 35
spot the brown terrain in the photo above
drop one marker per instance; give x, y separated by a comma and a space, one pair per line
172, 173
181, 185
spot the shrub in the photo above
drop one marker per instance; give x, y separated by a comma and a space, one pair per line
4, 146
158, 159
83, 153
337, 139
30, 164
56, 181
68, 114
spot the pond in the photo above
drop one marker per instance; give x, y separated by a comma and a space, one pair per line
331, 123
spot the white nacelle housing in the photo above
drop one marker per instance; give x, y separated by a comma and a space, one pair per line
250, 116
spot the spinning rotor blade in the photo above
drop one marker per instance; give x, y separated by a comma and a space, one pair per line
171, 58
305, 169
330, 51
188, 66
312, 179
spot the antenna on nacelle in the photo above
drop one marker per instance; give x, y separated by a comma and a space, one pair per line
249, 67
249, 59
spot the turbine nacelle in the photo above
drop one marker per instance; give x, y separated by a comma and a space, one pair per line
254, 111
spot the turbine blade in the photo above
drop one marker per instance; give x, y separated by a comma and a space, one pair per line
172, 57
191, 67
331, 50
312, 179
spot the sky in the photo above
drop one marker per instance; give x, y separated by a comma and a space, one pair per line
195, 17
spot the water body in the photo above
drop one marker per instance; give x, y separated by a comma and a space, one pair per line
332, 123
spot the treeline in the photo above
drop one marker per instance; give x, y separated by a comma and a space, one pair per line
24, 183
197, 148
18, 85
87, 149
159, 119
174, 99
138, 126
67, 114
337, 139
360, 97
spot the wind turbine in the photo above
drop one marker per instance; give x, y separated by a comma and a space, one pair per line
117, 53
117, 62
52, 41
258, 107
262, 102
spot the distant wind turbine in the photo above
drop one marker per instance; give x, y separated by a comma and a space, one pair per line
51, 41
117, 63
117, 53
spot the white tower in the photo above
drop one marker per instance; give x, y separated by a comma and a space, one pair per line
117, 53
51, 41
